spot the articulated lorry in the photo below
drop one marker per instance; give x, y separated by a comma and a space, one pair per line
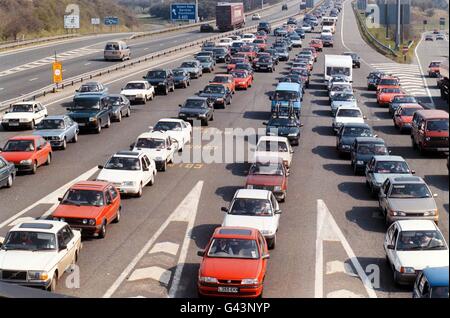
443, 81
229, 16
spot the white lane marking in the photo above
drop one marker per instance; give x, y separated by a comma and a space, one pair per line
165, 247
185, 211
154, 272
1, 88
86, 64
145, 49
328, 230
423, 74
21, 220
343, 293
51, 198
334, 267
33, 79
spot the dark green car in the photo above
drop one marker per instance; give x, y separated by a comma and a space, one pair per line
91, 111
7, 173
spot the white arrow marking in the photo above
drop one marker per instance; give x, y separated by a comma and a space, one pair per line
157, 273
165, 247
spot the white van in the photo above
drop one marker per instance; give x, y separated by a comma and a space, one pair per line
329, 24
338, 65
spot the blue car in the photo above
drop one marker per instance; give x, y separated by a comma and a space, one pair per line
287, 95
58, 130
432, 282
7, 173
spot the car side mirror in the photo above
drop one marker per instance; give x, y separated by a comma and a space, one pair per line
132, 146
143, 77
278, 212
77, 90
39, 148
150, 128
62, 247
382, 195
364, 117
413, 171
100, 167
59, 199
169, 148
199, 92
201, 253
375, 136
301, 125
146, 169
224, 209
108, 202
265, 256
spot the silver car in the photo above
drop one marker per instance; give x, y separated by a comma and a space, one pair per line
193, 67
408, 197
58, 130
380, 168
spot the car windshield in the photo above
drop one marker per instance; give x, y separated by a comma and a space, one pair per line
239, 74
204, 59
272, 169
264, 59
83, 198
437, 125
237, 44
167, 125
357, 132
156, 74
29, 241
281, 50
409, 191
82, 103
135, 86
344, 97
194, 103
188, 64
212, 89
251, 207
392, 82
272, 146
50, 124
348, 113
236, 61
420, 240
115, 100
112, 47
88, 88
391, 167
22, 108
327, 37
180, 72
372, 149
233, 248
409, 111
219, 51
404, 99
123, 163
336, 70
340, 88
151, 143
294, 37
285, 95
19, 146
434, 64
391, 90
283, 122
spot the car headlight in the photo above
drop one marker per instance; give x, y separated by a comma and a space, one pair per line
206, 279
345, 146
92, 119
24, 120
277, 188
37, 275
359, 162
220, 100
128, 183
398, 213
85, 221
430, 213
428, 138
91, 222
161, 83
407, 270
250, 281
26, 162
292, 135
202, 115
4, 120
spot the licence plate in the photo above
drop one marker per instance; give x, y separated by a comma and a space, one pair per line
228, 290
14, 124
81, 124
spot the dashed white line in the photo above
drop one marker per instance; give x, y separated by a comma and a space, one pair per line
33, 79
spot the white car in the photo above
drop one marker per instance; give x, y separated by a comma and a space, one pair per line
225, 42
129, 171
37, 253
413, 245
307, 28
177, 129
138, 91
256, 16
257, 209
272, 148
24, 114
347, 115
296, 41
340, 87
248, 38
158, 146
337, 79
326, 33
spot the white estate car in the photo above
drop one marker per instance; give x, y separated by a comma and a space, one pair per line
225, 42
272, 148
129, 171
248, 38
138, 91
24, 114
346, 115
178, 129
411, 246
339, 87
157, 145
257, 209
37, 253
256, 16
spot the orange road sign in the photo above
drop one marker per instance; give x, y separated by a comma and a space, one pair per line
57, 72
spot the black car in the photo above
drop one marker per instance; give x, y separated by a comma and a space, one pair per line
273, 54
265, 26
348, 133
265, 63
284, 7
206, 28
161, 79
181, 78
373, 78
292, 21
301, 33
91, 111
363, 149
284, 126
221, 54
397, 101
304, 75
282, 53
327, 41
197, 108
355, 59
235, 47
121, 106
218, 94
7, 173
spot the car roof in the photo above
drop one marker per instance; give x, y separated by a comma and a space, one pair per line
154, 134
349, 107
90, 185
26, 103
137, 82
46, 226
173, 120
369, 140
56, 117
389, 158
436, 276
406, 179
25, 137
236, 232
272, 138
288, 86
417, 225
432, 113
83, 95
197, 98
252, 194
128, 154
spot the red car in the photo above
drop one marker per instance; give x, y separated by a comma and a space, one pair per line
242, 79
386, 95
90, 206
404, 114
388, 82
248, 51
262, 44
234, 61
317, 44
271, 176
433, 69
234, 263
27, 153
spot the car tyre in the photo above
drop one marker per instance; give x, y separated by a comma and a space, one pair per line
10, 181
64, 145
119, 118
99, 128
49, 160
102, 233
108, 123
34, 168
53, 283
117, 219
139, 193
75, 138
128, 114
152, 180
164, 167
272, 243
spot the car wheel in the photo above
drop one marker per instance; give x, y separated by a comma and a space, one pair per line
396, 277
108, 123
34, 168
49, 160
164, 167
166, 91
53, 283
271, 244
212, 117
102, 233
119, 118
75, 138
64, 145
128, 114
421, 149
32, 125
413, 143
395, 125
117, 219
152, 180
10, 180
99, 128
139, 193
205, 122
355, 170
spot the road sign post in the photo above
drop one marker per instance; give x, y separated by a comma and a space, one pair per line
111, 21
57, 73
183, 12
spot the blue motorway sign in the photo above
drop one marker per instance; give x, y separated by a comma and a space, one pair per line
182, 11
111, 21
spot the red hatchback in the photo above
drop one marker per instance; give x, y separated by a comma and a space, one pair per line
234, 263
270, 176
